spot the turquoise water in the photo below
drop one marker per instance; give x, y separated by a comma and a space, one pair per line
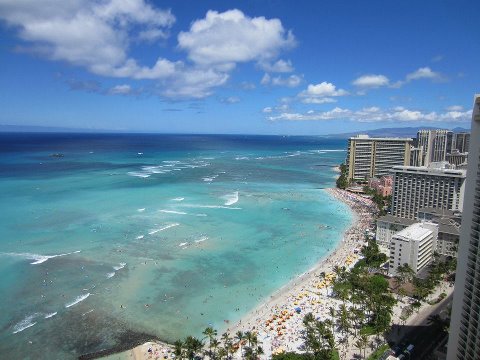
161, 235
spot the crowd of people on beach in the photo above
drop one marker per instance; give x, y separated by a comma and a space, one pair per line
278, 323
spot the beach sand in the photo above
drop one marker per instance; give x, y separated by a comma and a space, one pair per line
309, 292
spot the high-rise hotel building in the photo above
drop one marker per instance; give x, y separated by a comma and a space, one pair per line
374, 157
436, 144
435, 186
464, 340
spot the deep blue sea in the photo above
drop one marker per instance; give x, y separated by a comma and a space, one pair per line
104, 237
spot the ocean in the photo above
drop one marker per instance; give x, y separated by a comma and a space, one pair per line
111, 238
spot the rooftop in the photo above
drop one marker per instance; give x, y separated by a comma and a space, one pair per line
433, 169
367, 137
396, 220
416, 232
440, 212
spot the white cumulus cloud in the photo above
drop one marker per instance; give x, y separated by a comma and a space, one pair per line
232, 37
371, 81
321, 93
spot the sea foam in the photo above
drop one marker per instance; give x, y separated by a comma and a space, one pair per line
77, 300
151, 232
39, 259
25, 323
231, 199
120, 266
48, 316
173, 212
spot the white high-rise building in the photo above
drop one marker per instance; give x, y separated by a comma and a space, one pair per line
464, 339
414, 246
435, 186
374, 157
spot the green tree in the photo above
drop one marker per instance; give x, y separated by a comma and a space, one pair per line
210, 334
178, 349
362, 343
192, 346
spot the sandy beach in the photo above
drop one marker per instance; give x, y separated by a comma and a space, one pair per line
278, 321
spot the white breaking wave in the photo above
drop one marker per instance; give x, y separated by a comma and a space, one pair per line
213, 207
77, 300
39, 259
139, 237
202, 239
110, 275
48, 316
138, 174
120, 266
25, 323
231, 199
173, 212
141, 210
162, 228
178, 199
183, 244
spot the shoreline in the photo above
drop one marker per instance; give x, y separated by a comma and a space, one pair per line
286, 298
305, 284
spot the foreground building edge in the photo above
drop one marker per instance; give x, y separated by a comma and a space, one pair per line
464, 341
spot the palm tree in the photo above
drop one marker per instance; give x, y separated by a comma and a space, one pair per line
214, 343
227, 343
178, 349
362, 343
192, 346
332, 314
209, 333
240, 336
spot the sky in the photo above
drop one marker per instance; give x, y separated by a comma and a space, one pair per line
243, 67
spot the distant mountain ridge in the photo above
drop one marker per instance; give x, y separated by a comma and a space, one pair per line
406, 132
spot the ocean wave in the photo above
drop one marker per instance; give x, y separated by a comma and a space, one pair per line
25, 323
151, 232
139, 237
201, 239
110, 275
242, 158
173, 212
231, 199
141, 210
212, 207
183, 244
178, 199
138, 174
120, 266
39, 259
167, 166
77, 300
48, 316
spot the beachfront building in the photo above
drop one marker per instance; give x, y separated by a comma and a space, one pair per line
382, 186
389, 225
414, 246
457, 158
374, 157
461, 142
448, 232
434, 214
464, 340
436, 185
436, 144
448, 238
416, 156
